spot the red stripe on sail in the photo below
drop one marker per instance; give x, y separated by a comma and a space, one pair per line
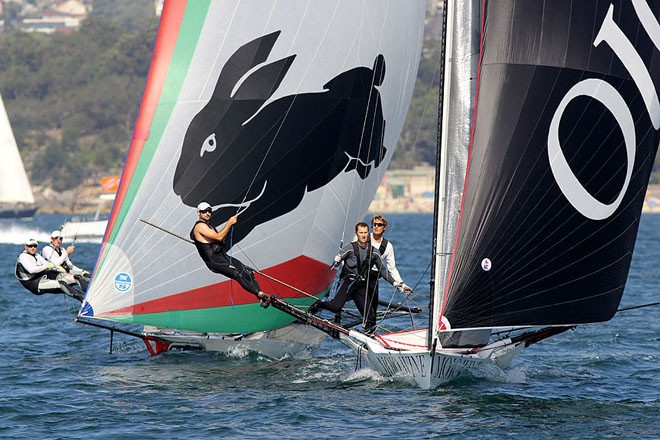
168, 33
303, 273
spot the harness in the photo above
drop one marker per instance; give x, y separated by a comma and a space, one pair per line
58, 249
383, 246
216, 246
29, 280
363, 266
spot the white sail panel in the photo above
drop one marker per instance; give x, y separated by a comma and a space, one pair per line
14, 183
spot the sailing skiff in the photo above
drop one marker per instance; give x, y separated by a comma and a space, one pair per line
281, 111
548, 132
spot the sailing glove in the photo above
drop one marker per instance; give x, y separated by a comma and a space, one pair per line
336, 261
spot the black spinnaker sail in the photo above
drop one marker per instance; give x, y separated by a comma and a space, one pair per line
564, 138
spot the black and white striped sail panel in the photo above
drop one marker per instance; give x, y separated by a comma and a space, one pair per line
565, 136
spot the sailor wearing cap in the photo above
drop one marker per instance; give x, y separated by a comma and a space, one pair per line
40, 276
59, 256
210, 244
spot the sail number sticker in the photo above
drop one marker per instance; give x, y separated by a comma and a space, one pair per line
486, 265
123, 282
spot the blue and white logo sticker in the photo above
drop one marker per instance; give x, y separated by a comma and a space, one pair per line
123, 282
486, 265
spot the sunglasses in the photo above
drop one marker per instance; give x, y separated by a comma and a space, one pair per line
31, 245
380, 225
207, 210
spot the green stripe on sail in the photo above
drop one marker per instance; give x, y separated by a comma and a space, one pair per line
189, 33
247, 318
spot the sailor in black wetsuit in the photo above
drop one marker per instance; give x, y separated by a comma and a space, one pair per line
211, 247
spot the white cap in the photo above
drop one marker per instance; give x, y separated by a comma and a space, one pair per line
56, 234
30, 241
203, 206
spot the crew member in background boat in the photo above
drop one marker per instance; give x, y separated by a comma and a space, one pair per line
358, 280
386, 249
40, 276
210, 244
59, 256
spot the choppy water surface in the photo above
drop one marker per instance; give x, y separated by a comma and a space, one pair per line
59, 381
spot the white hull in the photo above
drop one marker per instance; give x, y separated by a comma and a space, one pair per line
293, 340
430, 370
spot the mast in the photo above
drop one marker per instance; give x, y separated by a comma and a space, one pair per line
440, 176
463, 33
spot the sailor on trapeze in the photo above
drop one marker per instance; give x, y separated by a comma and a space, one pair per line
210, 244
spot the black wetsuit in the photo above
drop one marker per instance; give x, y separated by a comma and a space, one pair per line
359, 282
216, 259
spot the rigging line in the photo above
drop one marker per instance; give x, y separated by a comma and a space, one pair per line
657, 303
166, 231
254, 270
408, 297
252, 267
283, 283
263, 159
231, 253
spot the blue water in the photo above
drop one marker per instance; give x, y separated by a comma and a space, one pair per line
58, 379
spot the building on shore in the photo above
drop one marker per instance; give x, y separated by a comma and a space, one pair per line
405, 191
412, 191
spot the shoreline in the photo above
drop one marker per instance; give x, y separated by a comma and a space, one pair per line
85, 201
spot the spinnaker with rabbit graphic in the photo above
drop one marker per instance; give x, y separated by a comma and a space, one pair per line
283, 115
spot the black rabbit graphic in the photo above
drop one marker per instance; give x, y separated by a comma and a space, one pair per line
238, 154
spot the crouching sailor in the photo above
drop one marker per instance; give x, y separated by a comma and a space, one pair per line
210, 244
59, 256
39, 276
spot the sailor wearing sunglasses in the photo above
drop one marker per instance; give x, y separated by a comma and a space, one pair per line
386, 248
40, 276
211, 246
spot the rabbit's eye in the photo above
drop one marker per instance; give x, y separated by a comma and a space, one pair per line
208, 145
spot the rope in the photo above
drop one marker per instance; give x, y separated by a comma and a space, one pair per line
252, 269
639, 306
231, 253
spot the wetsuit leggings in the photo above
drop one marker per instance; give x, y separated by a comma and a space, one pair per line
235, 270
366, 304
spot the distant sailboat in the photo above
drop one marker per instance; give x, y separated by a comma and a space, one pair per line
282, 111
16, 198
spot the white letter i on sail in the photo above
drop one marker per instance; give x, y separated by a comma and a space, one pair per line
625, 51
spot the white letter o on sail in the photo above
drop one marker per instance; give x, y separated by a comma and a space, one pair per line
570, 186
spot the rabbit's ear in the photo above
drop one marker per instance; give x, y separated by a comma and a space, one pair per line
262, 83
245, 58
379, 70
